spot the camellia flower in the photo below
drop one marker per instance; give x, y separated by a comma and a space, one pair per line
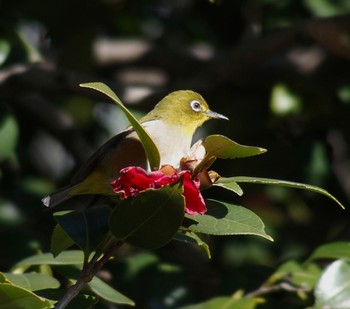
133, 180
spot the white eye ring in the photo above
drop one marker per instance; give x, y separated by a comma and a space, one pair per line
196, 106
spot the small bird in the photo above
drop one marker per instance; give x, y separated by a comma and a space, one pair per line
171, 125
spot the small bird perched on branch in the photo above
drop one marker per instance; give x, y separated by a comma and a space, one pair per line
171, 125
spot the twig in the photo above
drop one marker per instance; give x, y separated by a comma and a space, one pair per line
88, 272
283, 286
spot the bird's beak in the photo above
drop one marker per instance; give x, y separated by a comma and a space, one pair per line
215, 115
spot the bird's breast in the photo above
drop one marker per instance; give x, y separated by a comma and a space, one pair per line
171, 140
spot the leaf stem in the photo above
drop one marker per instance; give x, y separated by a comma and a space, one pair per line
88, 272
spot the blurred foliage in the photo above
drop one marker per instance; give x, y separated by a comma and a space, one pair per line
277, 68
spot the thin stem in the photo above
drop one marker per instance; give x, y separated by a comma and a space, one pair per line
283, 286
88, 272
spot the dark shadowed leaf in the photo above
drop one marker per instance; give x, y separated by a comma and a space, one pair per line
192, 238
60, 241
99, 287
87, 228
151, 219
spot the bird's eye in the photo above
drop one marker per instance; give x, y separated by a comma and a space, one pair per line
196, 106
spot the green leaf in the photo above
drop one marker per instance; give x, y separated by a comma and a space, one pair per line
60, 241
227, 219
224, 148
335, 250
87, 228
9, 132
192, 238
148, 144
333, 288
150, 219
5, 48
284, 183
226, 302
304, 276
71, 257
106, 292
32, 281
86, 301
99, 287
15, 297
229, 184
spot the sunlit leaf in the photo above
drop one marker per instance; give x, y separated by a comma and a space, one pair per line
284, 183
33, 281
335, 250
151, 219
227, 219
333, 288
224, 148
15, 297
148, 144
229, 184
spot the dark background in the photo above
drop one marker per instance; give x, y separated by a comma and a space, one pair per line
279, 69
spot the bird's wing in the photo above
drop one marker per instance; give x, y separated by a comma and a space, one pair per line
86, 169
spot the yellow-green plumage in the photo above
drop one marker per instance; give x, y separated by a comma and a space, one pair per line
171, 125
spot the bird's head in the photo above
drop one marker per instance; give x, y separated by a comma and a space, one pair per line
185, 108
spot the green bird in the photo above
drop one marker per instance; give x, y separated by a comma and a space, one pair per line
171, 125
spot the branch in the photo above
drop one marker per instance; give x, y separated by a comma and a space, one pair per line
88, 272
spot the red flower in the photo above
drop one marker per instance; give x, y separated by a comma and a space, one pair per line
133, 180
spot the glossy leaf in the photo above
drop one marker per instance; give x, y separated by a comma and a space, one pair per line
284, 183
224, 148
228, 219
336, 250
229, 184
87, 228
150, 219
15, 297
333, 288
60, 241
226, 302
148, 144
32, 281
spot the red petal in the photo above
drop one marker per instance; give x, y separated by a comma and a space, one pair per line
193, 198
